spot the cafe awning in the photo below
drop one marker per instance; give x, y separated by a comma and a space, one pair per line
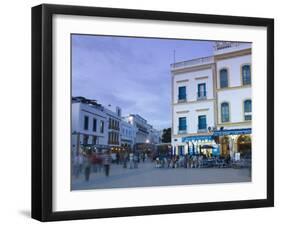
197, 138
232, 132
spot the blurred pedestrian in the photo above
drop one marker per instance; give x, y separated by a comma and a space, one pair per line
125, 159
94, 160
87, 166
136, 160
131, 160
106, 163
75, 165
117, 158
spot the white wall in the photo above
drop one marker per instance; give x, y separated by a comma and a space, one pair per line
179, 109
15, 84
79, 111
191, 84
127, 132
235, 98
192, 115
234, 69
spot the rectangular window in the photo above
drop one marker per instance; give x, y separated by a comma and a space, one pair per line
109, 124
182, 124
182, 93
201, 94
248, 110
86, 122
224, 112
94, 141
101, 126
94, 125
85, 139
223, 78
246, 75
202, 122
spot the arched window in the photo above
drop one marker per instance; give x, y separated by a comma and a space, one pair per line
223, 78
248, 110
246, 74
224, 112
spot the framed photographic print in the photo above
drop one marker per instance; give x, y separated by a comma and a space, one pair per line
145, 112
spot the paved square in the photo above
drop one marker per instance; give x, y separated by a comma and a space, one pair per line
147, 175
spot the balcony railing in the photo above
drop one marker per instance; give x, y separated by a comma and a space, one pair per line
202, 95
194, 62
202, 128
182, 129
181, 99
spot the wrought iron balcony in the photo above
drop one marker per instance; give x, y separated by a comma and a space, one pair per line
202, 128
182, 129
182, 99
202, 95
193, 62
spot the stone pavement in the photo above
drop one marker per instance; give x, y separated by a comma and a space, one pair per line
147, 175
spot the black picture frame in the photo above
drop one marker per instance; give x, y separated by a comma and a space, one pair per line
42, 107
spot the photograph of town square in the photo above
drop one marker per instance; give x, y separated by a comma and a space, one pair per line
159, 112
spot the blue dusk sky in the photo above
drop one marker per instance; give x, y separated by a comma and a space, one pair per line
132, 73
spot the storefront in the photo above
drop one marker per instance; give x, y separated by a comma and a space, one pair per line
205, 145
234, 141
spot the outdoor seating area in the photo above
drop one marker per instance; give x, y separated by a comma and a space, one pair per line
201, 162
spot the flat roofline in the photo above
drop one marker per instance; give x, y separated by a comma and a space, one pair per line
193, 62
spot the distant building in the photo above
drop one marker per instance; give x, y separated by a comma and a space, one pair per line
142, 133
211, 101
89, 125
128, 135
100, 128
154, 135
146, 136
114, 127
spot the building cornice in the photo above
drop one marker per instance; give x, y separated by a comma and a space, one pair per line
233, 54
193, 102
234, 87
191, 135
177, 71
235, 123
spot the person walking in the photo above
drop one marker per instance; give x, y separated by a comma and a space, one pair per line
131, 160
87, 169
75, 165
94, 160
106, 163
136, 160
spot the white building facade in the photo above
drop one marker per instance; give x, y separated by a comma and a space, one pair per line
146, 136
89, 125
114, 127
211, 100
128, 135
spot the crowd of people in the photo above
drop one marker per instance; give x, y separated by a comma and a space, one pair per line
191, 161
88, 161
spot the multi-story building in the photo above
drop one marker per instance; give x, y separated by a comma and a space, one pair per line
101, 128
146, 136
211, 101
154, 136
128, 135
114, 122
89, 124
142, 133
